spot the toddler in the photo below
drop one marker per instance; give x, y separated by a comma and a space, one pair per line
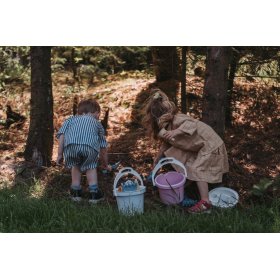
81, 143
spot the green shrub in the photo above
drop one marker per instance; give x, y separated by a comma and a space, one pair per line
14, 65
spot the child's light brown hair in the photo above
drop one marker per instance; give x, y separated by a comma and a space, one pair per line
159, 111
88, 106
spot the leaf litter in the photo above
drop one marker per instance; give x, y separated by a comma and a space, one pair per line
253, 143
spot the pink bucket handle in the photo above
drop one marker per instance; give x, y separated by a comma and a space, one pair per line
164, 161
125, 171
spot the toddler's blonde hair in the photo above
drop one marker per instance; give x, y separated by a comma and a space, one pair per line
159, 111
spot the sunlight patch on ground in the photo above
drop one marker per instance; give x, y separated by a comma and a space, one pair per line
37, 189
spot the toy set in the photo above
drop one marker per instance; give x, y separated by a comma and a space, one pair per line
129, 192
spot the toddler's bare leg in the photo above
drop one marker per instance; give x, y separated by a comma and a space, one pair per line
76, 176
91, 176
203, 190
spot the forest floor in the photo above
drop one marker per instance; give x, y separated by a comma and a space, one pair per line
253, 143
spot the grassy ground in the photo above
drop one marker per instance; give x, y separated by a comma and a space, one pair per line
22, 211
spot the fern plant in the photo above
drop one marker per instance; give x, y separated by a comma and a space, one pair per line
263, 187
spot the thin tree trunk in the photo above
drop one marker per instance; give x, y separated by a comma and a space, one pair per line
75, 104
232, 71
40, 137
183, 81
215, 87
73, 64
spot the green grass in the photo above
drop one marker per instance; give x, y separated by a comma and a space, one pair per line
22, 211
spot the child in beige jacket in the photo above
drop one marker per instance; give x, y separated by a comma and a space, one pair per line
190, 141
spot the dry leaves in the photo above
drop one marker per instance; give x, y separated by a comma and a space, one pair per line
253, 143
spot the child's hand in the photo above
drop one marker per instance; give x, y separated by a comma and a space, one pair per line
107, 167
171, 134
110, 167
59, 159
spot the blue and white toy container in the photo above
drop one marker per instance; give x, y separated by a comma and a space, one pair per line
130, 199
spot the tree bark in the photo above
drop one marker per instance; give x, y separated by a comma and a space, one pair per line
232, 71
183, 81
215, 87
165, 60
73, 64
40, 137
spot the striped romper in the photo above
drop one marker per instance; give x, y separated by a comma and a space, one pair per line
84, 136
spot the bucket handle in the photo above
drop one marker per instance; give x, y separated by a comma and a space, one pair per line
165, 161
125, 171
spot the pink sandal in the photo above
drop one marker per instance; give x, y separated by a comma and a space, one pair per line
200, 207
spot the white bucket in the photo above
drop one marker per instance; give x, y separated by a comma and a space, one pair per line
129, 202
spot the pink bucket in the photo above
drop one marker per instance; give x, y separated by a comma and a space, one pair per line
172, 193
170, 184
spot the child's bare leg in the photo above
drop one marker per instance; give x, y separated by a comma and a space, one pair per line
76, 190
96, 194
203, 190
91, 176
76, 176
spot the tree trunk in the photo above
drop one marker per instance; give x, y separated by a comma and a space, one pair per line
165, 60
40, 137
73, 64
232, 71
183, 81
215, 87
